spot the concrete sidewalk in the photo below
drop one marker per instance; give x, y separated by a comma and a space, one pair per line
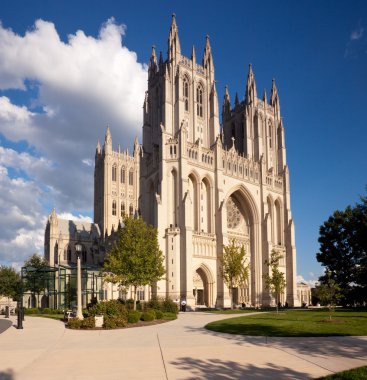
180, 349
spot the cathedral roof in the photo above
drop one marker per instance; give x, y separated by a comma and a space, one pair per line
83, 228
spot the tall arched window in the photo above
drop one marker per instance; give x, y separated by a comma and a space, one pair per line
131, 210
122, 176
270, 136
114, 173
131, 177
122, 209
114, 208
199, 101
186, 93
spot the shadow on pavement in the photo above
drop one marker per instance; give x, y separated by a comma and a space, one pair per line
7, 375
5, 324
216, 369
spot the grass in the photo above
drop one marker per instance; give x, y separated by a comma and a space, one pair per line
359, 373
233, 311
59, 317
296, 323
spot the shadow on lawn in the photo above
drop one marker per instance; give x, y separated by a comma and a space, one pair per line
216, 369
345, 346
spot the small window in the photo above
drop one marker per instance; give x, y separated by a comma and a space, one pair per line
199, 101
114, 173
131, 210
186, 94
122, 210
122, 176
114, 208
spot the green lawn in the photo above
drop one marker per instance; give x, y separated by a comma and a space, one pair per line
59, 317
233, 311
295, 323
359, 373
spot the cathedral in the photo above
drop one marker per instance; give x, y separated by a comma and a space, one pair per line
200, 183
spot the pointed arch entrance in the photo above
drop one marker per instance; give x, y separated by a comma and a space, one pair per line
203, 286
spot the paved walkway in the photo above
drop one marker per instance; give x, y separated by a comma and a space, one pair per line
180, 349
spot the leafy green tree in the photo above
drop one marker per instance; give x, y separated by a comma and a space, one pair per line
343, 250
35, 276
135, 259
274, 280
235, 272
329, 293
9, 282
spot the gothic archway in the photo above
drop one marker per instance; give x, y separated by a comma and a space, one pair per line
203, 286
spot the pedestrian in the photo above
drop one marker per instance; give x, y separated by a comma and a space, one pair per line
183, 305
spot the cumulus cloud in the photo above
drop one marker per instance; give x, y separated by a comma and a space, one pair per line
311, 282
70, 91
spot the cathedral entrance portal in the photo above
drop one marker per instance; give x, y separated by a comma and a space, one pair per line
203, 287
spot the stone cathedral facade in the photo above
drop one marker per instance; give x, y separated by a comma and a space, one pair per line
204, 184
200, 183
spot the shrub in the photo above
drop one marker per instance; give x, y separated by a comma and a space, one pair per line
31, 310
168, 316
109, 308
158, 314
113, 322
168, 306
77, 324
133, 316
148, 316
154, 303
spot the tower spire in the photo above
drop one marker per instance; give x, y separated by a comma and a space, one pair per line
274, 99
226, 107
152, 63
108, 141
208, 58
174, 47
193, 55
251, 94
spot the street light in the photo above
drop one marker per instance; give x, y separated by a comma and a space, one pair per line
78, 249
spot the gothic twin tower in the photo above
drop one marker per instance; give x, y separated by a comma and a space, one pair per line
203, 184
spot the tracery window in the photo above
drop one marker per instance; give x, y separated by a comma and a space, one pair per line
114, 208
122, 209
131, 177
270, 137
131, 210
199, 101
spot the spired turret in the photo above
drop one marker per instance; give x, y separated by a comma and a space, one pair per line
153, 68
107, 142
174, 47
226, 106
251, 94
98, 149
208, 63
274, 99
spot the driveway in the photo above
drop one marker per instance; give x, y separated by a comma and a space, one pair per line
180, 349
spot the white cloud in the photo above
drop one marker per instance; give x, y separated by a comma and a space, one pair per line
70, 216
80, 86
311, 282
357, 33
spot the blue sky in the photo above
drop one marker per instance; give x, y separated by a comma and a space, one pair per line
59, 88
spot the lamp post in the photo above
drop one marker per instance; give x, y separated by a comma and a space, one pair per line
78, 249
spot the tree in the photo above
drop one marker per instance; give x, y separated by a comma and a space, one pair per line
343, 250
9, 282
274, 282
234, 271
35, 277
135, 259
328, 293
